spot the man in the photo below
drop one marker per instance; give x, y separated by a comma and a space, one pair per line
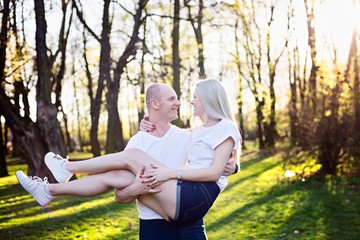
166, 143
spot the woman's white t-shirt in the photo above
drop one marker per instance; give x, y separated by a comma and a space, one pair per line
204, 140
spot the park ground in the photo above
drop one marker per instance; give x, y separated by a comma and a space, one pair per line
258, 203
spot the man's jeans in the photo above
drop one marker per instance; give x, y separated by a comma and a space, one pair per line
159, 229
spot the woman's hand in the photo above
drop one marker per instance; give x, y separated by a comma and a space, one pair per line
157, 175
146, 125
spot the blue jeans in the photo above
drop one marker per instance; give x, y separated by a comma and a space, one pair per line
160, 229
194, 199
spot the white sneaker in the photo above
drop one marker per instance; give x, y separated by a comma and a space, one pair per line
35, 186
56, 165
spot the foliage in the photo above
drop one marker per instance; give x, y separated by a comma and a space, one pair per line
259, 203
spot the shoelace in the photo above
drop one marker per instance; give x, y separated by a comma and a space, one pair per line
39, 180
61, 158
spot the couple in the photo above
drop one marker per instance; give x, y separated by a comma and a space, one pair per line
181, 196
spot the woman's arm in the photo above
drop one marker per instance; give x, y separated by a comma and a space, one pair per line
210, 174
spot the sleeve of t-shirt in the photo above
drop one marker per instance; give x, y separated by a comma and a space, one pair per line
224, 132
134, 142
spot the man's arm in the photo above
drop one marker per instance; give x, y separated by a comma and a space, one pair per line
131, 192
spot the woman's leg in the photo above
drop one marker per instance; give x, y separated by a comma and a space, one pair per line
164, 202
93, 185
131, 159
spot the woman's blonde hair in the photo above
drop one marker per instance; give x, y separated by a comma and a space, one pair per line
214, 99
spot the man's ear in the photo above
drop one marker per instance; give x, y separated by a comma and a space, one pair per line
154, 103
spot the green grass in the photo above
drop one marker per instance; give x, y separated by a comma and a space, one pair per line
258, 203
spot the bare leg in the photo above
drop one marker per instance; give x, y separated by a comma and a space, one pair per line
164, 202
93, 185
131, 159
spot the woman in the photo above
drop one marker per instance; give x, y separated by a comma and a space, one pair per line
187, 194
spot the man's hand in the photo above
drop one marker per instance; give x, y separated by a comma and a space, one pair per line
138, 187
230, 167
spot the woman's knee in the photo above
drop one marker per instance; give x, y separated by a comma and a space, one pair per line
120, 178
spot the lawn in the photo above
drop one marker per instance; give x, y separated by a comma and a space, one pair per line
258, 203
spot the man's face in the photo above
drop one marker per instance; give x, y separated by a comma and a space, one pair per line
169, 103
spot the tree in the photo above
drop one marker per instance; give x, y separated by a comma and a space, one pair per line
252, 73
309, 6
104, 72
196, 23
3, 44
272, 62
46, 111
3, 166
239, 101
175, 52
58, 72
22, 127
115, 139
353, 72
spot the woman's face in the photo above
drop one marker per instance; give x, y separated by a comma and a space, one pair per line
198, 108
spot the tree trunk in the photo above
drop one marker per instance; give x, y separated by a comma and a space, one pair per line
78, 119
312, 45
197, 27
240, 90
3, 44
46, 111
31, 144
293, 79
175, 48
353, 63
115, 140
259, 122
330, 144
271, 131
141, 106
176, 56
3, 167
4, 37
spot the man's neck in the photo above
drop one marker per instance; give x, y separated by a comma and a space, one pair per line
161, 127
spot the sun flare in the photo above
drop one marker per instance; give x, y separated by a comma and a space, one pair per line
336, 22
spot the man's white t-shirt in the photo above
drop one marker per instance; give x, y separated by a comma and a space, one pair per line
169, 150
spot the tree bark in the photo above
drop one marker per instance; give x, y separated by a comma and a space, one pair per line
3, 166
31, 143
175, 48
115, 140
95, 100
3, 44
46, 111
314, 64
197, 27
240, 82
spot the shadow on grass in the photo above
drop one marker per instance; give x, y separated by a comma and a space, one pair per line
246, 165
310, 210
17, 206
331, 210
